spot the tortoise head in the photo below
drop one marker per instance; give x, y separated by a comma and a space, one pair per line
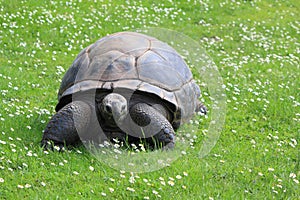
114, 108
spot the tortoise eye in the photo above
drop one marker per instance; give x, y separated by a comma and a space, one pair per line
123, 107
108, 108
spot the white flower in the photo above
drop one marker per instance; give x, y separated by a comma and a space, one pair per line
275, 191
91, 168
294, 141
155, 192
76, 173
171, 183
57, 148
252, 141
145, 180
112, 180
2, 142
270, 169
130, 189
293, 175
131, 179
122, 176
179, 177
29, 154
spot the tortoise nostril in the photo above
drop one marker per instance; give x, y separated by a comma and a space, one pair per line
108, 108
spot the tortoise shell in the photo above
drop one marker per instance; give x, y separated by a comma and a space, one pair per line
134, 61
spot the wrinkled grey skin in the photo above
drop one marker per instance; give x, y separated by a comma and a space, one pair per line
143, 91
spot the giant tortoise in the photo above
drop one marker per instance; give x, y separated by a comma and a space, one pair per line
125, 86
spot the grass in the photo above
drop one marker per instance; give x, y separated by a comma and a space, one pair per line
255, 45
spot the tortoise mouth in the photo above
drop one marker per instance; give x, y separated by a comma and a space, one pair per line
119, 118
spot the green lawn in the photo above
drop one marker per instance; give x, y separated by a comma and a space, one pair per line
256, 46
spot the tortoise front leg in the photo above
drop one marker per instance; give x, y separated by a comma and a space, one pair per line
61, 129
156, 128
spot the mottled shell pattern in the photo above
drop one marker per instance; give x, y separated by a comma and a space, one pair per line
136, 62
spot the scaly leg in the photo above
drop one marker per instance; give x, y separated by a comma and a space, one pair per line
61, 130
156, 128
